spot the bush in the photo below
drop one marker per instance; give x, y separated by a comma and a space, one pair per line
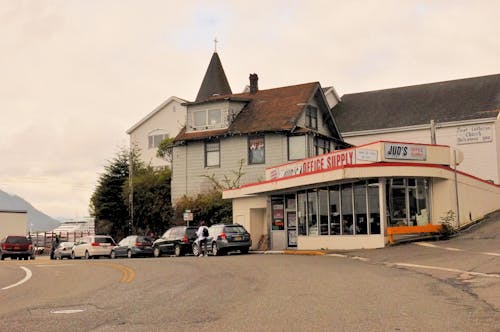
209, 207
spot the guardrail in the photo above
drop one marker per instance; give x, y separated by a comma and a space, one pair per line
42, 241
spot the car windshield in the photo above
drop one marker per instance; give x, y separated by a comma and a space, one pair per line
191, 232
144, 239
67, 244
234, 229
17, 240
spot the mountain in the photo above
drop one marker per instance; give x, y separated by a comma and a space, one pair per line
38, 220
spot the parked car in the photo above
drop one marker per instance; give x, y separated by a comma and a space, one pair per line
93, 246
63, 250
16, 246
225, 238
177, 240
133, 245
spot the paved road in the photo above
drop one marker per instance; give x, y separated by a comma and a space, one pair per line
428, 286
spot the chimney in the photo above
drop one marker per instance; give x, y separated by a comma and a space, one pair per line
254, 86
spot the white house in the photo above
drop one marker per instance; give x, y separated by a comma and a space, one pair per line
164, 121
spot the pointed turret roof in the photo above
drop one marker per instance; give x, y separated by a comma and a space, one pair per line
214, 82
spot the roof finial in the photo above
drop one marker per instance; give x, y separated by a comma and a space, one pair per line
215, 44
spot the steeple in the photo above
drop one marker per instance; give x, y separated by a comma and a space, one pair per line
214, 82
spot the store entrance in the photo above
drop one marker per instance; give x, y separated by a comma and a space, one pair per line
407, 202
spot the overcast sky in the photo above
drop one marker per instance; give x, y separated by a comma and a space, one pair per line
76, 74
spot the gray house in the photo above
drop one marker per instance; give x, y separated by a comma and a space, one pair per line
253, 130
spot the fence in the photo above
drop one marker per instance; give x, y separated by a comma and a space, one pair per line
42, 241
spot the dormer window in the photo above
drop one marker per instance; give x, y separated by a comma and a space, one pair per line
312, 117
207, 119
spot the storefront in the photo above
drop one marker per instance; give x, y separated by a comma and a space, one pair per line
353, 198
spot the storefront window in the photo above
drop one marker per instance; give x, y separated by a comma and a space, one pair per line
347, 217
302, 210
361, 225
373, 207
334, 210
312, 212
407, 202
323, 211
278, 213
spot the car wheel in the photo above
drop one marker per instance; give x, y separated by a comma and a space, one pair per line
87, 256
178, 251
215, 249
244, 250
2, 258
112, 255
72, 255
156, 252
129, 253
196, 249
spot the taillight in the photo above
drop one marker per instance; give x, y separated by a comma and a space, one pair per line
30, 247
139, 244
185, 239
4, 246
223, 236
95, 244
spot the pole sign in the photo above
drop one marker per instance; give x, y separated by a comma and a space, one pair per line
188, 215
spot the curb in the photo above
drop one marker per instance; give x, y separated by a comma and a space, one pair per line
290, 252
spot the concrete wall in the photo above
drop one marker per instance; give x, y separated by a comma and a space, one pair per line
344, 242
13, 223
248, 212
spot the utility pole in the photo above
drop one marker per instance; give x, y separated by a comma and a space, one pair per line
131, 191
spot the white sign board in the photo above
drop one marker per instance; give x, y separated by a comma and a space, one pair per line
405, 151
367, 155
474, 134
188, 216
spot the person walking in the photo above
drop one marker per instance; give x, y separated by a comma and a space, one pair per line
202, 234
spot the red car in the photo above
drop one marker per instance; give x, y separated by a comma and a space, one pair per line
16, 246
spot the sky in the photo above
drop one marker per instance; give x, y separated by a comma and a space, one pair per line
76, 74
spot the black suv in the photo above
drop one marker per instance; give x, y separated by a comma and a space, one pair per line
177, 240
225, 238
16, 246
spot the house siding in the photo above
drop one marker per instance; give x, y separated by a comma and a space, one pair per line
170, 118
191, 174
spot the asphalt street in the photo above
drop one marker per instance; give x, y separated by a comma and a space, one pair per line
451, 285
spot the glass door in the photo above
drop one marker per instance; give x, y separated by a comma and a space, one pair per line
291, 220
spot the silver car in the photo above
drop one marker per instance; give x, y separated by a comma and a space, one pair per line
225, 238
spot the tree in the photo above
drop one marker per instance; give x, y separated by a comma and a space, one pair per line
108, 205
165, 150
152, 203
209, 207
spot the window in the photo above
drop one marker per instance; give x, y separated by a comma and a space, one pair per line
212, 154
296, 147
154, 140
312, 117
256, 150
207, 119
321, 146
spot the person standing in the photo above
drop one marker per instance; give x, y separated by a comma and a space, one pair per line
202, 234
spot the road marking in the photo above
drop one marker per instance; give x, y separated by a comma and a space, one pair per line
337, 255
425, 244
363, 259
479, 274
452, 249
26, 278
128, 273
67, 311
53, 265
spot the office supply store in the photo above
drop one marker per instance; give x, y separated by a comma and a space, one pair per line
359, 197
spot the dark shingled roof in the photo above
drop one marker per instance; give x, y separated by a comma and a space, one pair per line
214, 82
457, 100
266, 111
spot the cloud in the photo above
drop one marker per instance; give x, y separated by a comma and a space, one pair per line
77, 74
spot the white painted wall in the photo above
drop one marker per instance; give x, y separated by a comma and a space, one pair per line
171, 118
480, 159
13, 223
